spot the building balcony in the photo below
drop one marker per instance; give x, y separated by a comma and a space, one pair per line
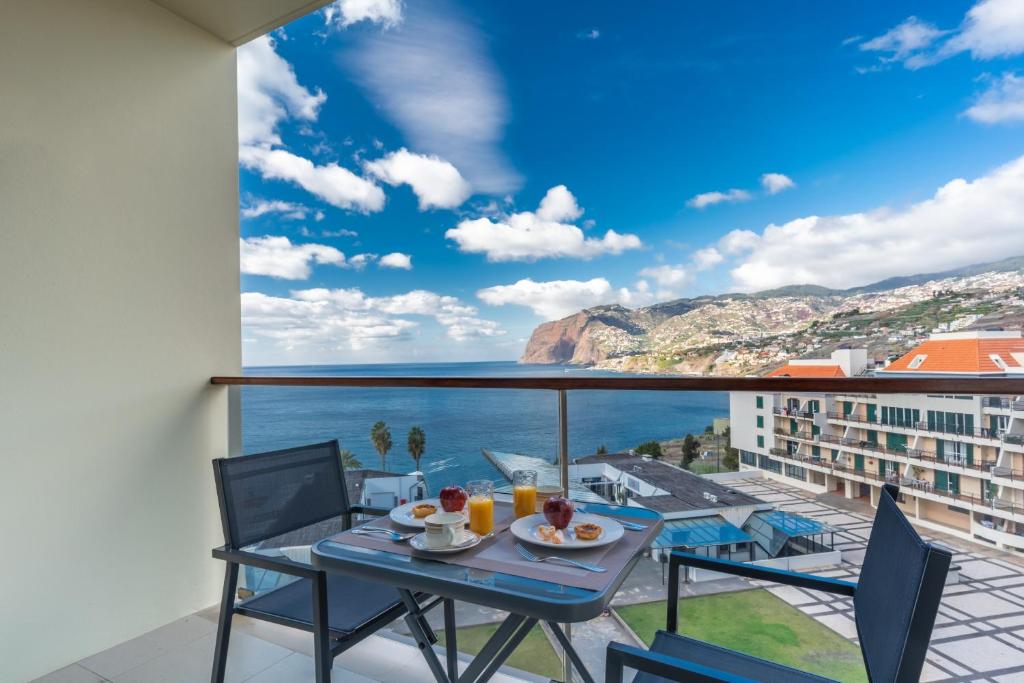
1014, 442
1002, 403
1002, 539
800, 436
794, 412
916, 428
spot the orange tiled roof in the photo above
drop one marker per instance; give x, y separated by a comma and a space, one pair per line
959, 355
791, 370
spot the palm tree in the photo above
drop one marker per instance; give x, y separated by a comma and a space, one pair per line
417, 445
380, 435
349, 461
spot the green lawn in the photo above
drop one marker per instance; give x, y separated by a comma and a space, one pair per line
701, 467
757, 623
534, 654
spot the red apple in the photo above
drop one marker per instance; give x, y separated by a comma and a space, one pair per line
558, 511
453, 498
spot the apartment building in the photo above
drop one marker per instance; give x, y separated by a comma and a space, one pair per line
959, 459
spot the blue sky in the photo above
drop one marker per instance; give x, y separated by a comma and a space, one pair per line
429, 181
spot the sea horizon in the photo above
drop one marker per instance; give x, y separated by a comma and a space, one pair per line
460, 422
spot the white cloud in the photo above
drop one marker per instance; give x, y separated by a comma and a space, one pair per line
774, 183
344, 13
1002, 102
278, 257
558, 298
559, 205
396, 260
592, 34
906, 42
335, 319
360, 261
332, 183
667, 277
527, 236
287, 210
343, 232
435, 182
709, 257
964, 222
269, 92
551, 300
706, 199
434, 80
738, 241
990, 29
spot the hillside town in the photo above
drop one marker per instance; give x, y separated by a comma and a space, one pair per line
743, 335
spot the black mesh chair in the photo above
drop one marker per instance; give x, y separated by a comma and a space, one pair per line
895, 602
294, 497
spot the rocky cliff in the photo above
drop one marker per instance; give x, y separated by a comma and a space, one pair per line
572, 339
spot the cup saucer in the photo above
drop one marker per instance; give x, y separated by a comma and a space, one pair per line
471, 539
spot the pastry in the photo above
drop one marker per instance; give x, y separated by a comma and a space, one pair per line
423, 510
587, 532
550, 534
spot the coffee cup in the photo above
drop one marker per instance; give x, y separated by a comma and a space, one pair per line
444, 529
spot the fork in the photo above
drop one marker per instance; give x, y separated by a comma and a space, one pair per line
530, 557
393, 535
632, 526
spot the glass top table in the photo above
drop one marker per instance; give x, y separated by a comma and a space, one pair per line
527, 600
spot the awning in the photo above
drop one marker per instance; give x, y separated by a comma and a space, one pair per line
698, 532
772, 530
793, 525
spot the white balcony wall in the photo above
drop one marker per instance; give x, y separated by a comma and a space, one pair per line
118, 300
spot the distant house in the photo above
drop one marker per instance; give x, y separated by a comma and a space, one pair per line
720, 425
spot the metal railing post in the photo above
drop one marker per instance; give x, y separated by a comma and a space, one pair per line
563, 442
563, 470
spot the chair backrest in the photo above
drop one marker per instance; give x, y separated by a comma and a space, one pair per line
897, 595
267, 494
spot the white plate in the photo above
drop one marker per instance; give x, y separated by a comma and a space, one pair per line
525, 529
403, 513
419, 542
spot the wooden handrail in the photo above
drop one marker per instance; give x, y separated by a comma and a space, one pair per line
871, 385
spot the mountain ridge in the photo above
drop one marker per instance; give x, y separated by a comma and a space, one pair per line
739, 333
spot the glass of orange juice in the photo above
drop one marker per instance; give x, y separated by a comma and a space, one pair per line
524, 492
481, 506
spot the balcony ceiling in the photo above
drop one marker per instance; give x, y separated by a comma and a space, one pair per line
239, 21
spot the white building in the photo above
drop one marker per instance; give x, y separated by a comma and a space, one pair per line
958, 459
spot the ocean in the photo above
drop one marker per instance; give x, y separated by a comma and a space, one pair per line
459, 422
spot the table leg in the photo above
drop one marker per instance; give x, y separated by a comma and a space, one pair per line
570, 653
450, 639
508, 649
414, 619
492, 649
566, 659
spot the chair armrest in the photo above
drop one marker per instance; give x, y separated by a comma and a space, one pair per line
275, 564
367, 510
361, 510
750, 571
620, 656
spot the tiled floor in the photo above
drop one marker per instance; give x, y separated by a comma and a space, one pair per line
979, 633
182, 652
